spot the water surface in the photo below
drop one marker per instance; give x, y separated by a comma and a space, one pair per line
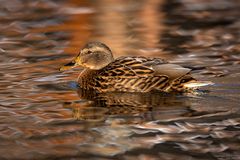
44, 116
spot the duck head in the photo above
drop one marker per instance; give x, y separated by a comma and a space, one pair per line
94, 56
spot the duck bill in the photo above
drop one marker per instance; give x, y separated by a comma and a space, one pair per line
69, 65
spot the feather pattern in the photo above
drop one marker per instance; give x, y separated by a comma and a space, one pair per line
134, 74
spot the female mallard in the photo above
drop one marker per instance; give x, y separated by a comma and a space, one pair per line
103, 73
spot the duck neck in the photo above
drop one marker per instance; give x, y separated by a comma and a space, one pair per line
86, 77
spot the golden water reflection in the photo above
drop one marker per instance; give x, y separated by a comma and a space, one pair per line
43, 115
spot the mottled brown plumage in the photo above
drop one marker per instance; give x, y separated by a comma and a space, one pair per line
127, 74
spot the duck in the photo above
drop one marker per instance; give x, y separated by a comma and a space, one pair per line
103, 73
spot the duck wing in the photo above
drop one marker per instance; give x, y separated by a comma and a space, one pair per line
138, 74
131, 67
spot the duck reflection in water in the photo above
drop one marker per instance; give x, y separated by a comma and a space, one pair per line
97, 107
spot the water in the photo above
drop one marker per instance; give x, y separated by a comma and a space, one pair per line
44, 116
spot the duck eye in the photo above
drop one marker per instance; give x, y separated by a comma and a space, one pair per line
89, 52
